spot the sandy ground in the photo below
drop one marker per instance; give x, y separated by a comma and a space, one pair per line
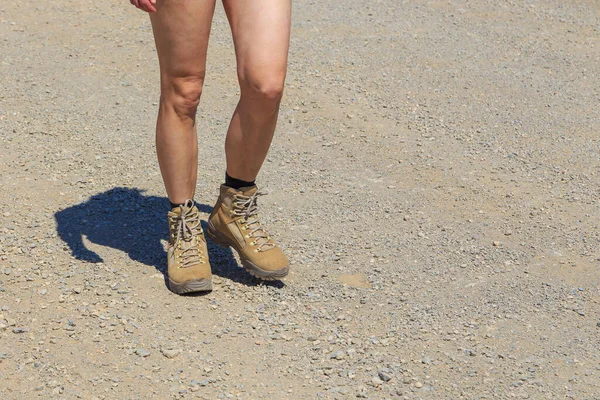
434, 180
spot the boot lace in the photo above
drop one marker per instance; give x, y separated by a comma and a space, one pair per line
188, 228
247, 208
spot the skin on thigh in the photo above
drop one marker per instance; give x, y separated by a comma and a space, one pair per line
261, 35
181, 32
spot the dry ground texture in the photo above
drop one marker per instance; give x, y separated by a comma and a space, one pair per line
435, 180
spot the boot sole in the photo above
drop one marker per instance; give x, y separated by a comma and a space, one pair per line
200, 285
252, 269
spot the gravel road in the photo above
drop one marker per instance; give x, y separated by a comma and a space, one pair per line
434, 179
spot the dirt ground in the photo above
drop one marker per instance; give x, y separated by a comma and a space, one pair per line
434, 180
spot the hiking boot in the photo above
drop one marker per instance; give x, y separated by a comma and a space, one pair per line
189, 270
234, 222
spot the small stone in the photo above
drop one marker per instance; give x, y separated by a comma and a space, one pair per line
418, 385
376, 381
496, 243
343, 390
385, 375
7, 271
20, 329
43, 291
53, 383
338, 355
142, 352
171, 353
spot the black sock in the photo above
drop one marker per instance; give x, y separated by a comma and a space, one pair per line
236, 183
174, 205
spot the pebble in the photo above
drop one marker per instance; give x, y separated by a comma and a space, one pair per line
142, 352
385, 375
20, 330
171, 353
376, 381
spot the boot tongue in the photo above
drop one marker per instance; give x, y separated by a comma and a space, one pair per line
228, 193
192, 242
249, 190
175, 212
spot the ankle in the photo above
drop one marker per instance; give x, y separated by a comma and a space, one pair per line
236, 183
177, 205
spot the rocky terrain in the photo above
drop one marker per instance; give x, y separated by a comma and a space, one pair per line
434, 180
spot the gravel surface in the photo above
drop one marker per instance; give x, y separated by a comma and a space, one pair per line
434, 180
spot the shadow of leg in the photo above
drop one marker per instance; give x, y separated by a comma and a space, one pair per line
121, 218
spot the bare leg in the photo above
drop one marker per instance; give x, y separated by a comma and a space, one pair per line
261, 35
181, 31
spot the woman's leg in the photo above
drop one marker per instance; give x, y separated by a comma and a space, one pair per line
181, 31
261, 35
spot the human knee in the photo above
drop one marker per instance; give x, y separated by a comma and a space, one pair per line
183, 94
267, 88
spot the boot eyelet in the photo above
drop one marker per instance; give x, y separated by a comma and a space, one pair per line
256, 250
247, 236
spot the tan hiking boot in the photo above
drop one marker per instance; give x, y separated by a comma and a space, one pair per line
189, 270
234, 222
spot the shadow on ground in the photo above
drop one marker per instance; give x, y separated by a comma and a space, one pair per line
127, 220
